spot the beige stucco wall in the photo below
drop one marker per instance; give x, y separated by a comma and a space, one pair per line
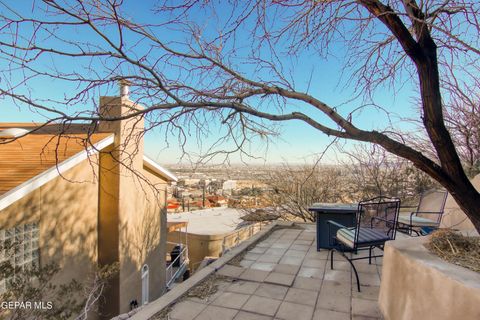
418, 285
454, 216
66, 210
142, 216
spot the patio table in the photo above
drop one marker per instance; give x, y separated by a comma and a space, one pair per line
343, 213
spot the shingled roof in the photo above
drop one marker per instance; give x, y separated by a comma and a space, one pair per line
30, 155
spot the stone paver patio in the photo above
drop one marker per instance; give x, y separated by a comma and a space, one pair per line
284, 277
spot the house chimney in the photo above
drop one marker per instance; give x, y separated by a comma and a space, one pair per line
129, 130
124, 85
118, 187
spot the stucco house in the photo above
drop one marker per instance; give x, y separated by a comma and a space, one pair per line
83, 195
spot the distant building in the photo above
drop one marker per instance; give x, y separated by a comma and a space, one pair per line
191, 182
229, 185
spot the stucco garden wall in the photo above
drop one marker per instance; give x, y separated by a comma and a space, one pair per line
418, 285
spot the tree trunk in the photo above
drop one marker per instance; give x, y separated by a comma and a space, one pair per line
455, 180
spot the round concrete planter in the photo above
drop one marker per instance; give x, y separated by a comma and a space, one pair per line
419, 285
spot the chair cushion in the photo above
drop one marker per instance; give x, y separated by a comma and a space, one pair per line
366, 237
417, 221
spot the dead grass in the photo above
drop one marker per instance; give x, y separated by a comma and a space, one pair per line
456, 248
164, 314
206, 288
260, 215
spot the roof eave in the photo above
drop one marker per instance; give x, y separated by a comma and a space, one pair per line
158, 169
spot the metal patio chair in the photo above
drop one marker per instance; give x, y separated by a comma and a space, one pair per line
428, 213
376, 223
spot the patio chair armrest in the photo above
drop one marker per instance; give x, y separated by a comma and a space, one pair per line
408, 207
429, 212
411, 217
330, 222
422, 212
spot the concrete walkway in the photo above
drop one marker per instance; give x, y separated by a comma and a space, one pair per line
284, 277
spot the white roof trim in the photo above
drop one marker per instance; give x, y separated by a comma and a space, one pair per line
36, 182
158, 168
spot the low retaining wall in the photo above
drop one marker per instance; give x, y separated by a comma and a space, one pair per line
419, 285
204, 245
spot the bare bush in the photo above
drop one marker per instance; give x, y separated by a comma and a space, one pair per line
375, 172
42, 298
296, 188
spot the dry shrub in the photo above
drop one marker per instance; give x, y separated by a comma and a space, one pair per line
456, 248
260, 215
206, 288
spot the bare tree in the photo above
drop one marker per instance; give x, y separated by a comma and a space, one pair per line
462, 117
195, 62
461, 112
373, 172
296, 188
367, 172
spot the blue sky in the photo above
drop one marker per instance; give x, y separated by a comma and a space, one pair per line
297, 141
